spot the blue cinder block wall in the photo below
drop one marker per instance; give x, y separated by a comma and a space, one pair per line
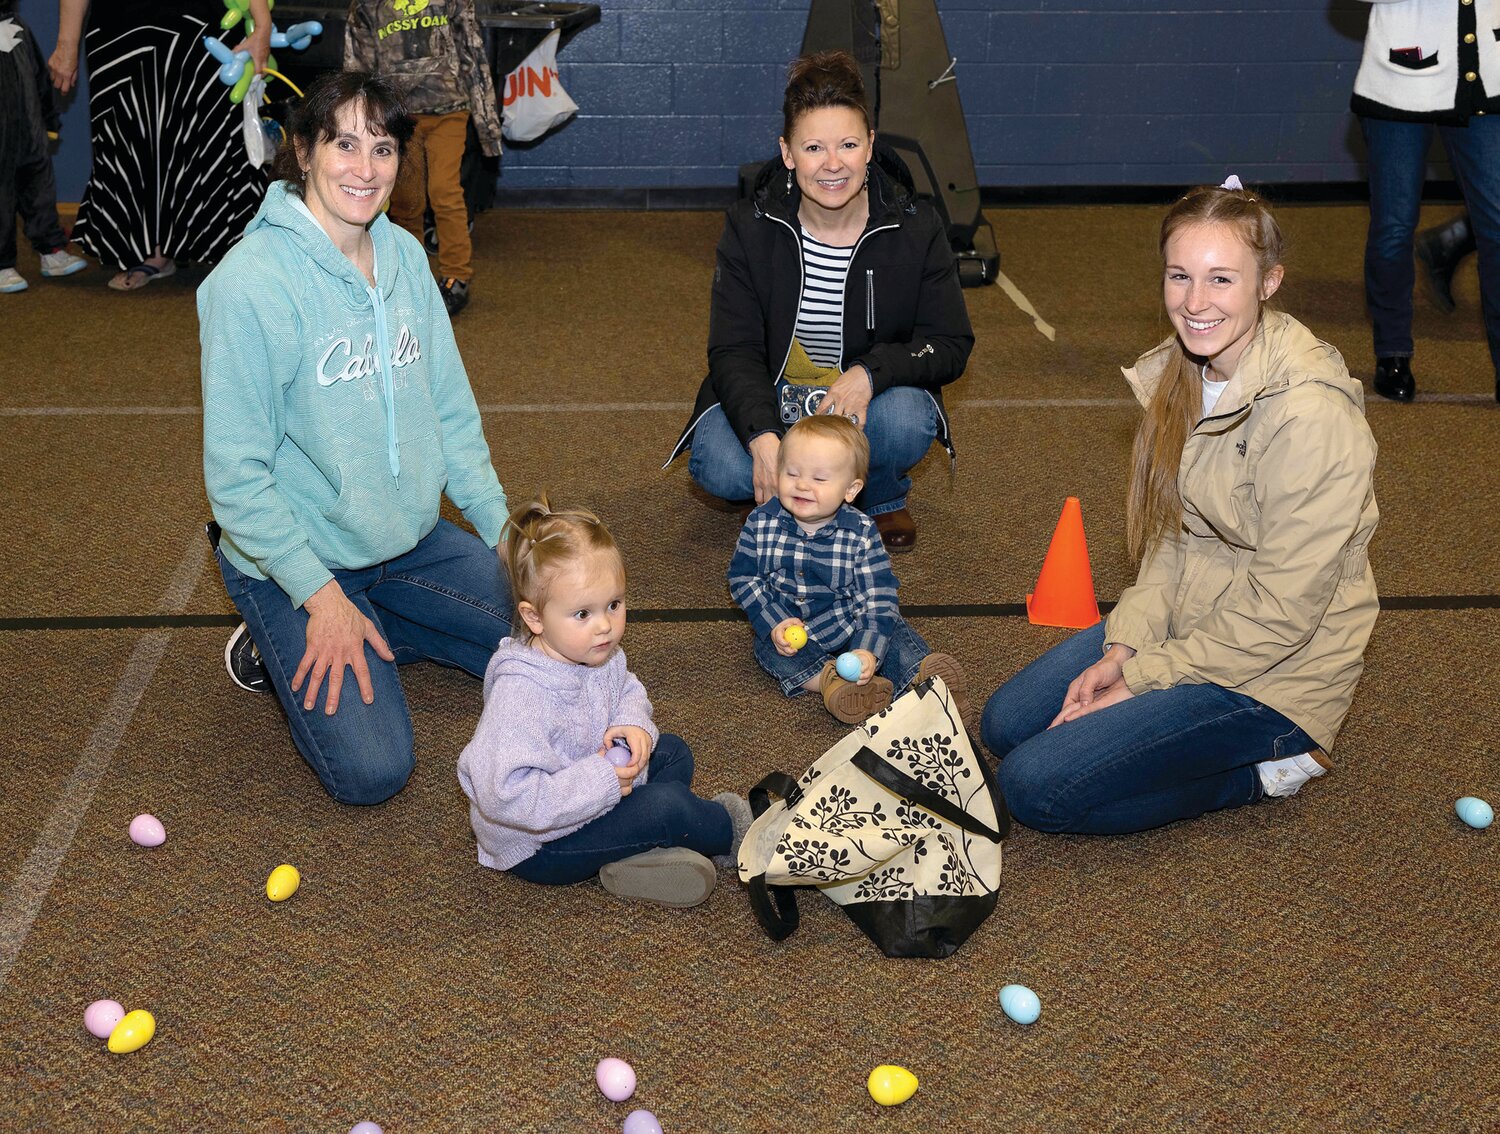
1056, 92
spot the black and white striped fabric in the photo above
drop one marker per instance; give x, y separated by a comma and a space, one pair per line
820, 319
169, 166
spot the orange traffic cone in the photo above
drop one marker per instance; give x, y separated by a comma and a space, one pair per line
1064, 594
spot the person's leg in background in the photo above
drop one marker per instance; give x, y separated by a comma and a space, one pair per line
1398, 166
1474, 151
409, 195
717, 460
902, 427
445, 155
36, 201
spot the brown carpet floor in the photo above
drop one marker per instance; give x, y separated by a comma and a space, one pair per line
1323, 963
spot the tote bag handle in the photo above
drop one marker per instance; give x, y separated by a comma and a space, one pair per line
775, 906
872, 765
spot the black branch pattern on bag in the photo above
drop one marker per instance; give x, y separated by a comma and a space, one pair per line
885, 885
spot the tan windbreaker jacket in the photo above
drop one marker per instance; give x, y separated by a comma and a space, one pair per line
1267, 588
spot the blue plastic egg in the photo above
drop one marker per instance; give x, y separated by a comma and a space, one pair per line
1020, 1003
849, 666
1475, 812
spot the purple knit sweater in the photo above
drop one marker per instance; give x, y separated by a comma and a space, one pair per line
533, 772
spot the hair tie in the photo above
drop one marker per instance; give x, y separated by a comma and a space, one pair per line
1232, 182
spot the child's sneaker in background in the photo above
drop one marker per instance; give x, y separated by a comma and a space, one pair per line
946, 666
850, 702
12, 280
62, 263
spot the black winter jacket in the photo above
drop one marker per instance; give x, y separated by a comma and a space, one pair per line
904, 314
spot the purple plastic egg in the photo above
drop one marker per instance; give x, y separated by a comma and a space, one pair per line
365, 1128
641, 1122
619, 753
147, 831
101, 1016
616, 1079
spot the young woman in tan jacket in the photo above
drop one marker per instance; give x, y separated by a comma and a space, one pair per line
1224, 673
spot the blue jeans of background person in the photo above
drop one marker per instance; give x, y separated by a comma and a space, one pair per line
1161, 756
903, 655
662, 812
446, 600
902, 427
1398, 167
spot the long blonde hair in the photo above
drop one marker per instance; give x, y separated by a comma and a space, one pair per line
1153, 508
543, 542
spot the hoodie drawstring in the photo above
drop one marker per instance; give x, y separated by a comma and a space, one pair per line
383, 360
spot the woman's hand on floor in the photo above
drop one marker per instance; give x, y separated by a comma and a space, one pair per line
337, 631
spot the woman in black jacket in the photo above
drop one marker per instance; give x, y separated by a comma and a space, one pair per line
835, 291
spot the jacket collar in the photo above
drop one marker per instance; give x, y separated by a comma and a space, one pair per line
1282, 354
847, 517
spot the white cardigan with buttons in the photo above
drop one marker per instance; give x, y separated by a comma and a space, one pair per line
1425, 79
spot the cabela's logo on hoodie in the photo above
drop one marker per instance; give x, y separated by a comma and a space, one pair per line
351, 366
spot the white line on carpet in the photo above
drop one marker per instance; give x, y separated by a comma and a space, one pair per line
32, 882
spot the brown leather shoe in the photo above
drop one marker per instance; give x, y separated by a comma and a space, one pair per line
852, 703
898, 531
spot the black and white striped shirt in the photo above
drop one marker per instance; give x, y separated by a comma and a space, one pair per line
820, 319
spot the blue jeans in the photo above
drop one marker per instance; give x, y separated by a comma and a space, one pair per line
446, 600
1398, 167
662, 812
902, 427
1162, 756
903, 656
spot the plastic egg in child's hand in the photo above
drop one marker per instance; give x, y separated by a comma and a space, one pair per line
101, 1016
796, 637
849, 666
134, 1031
283, 882
1475, 812
1020, 1003
147, 831
616, 1079
641, 1122
619, 753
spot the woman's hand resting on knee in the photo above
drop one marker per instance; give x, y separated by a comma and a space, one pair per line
337, 631
764, 450
1098, 687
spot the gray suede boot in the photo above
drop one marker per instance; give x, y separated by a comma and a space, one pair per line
740, 818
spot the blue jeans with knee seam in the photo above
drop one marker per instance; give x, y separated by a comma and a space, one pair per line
662, 812
1398, 169
902, 427
1158, 757
446, 600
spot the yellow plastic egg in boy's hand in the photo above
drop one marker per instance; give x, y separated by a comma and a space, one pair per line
796, 637
283, 883
133, 1032
891, 1085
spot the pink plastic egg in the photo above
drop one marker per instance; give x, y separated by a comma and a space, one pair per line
616, 1079
101, 1016
365, 1128
147, 831
641, 1122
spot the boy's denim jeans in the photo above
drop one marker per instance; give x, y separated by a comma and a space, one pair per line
662, 812
446, 600
903, 656
902, 427
1161, 756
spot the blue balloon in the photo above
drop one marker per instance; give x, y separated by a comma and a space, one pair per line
849, 666
1020, 1003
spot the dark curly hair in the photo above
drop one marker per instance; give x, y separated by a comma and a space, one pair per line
315, 118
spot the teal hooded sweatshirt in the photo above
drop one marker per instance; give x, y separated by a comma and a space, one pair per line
335, 414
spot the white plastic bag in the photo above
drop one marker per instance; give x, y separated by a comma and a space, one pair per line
534, 100
258, 149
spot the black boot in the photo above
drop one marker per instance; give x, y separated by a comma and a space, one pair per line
1394, 379
1440, 249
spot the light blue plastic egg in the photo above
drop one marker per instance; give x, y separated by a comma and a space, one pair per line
1475, 812
849, 666
1020, 1003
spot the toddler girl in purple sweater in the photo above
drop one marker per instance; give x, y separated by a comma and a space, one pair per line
567, 776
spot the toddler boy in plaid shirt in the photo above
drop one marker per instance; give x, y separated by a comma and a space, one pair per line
808, 558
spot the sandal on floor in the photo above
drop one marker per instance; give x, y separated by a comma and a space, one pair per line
149, 274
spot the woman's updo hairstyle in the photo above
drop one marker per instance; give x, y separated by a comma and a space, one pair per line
827, 78
315, 119
543, 542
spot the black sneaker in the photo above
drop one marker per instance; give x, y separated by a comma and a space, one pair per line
242, 660
455, 295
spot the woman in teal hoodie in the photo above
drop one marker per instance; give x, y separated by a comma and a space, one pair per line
336, 414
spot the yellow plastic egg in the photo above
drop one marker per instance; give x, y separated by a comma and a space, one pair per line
283, 883
796, 637
891, 1085
133, 1032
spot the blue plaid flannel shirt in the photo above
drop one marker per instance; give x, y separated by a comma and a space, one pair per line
838, 580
